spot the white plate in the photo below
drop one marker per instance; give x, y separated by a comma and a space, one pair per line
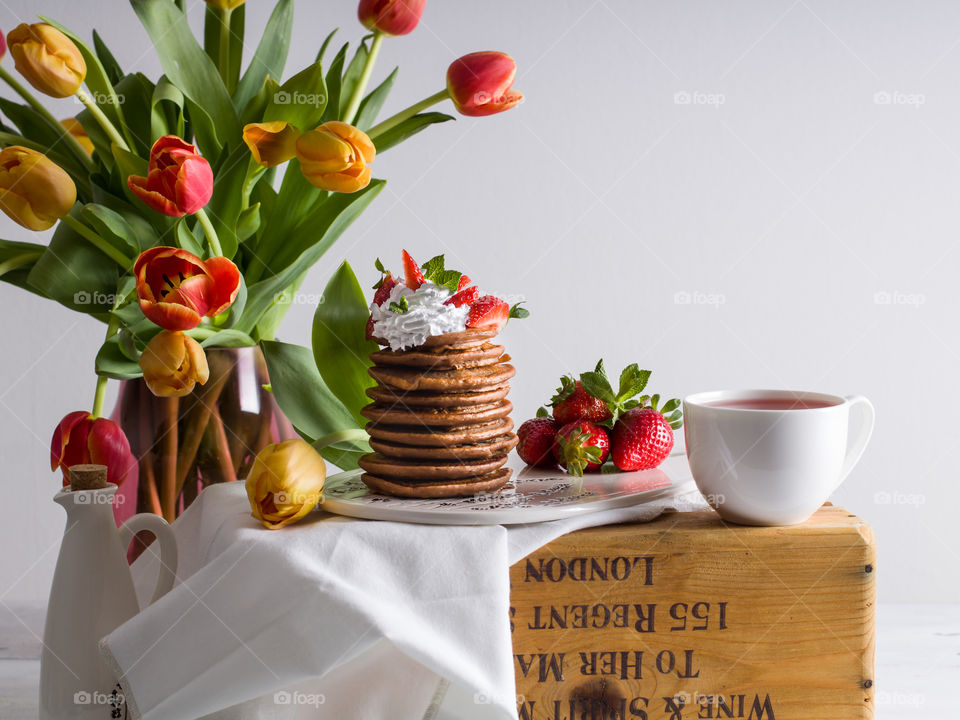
532, 495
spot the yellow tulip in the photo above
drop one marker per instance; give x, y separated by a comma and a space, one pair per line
73, 126
48, 59
271, 143
225, 4
285, 483
173, 363
34, 190
336, 156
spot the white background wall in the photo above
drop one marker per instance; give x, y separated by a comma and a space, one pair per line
789, 209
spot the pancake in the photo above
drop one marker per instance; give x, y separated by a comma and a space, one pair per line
471, 451
399, 414
447, 437
428, 470
428, 399
485, 483
463, 380
444, 359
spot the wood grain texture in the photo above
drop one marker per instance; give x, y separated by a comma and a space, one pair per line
679, 617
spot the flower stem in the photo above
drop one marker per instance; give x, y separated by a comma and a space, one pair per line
223, 60
393, 121
98, 242
115, 137
101, 390
48, 116
18, 261
254, 173
361, 86
211, 234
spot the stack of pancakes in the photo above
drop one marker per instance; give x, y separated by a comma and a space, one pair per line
439, 421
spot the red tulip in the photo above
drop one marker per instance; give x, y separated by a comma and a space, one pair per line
479, 83
391, 17
80, 438
176, 288
179, 181
3, 45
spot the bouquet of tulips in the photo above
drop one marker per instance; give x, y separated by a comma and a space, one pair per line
188, 208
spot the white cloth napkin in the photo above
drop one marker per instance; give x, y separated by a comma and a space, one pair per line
331, 618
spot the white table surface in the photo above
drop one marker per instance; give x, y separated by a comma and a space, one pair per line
918, 663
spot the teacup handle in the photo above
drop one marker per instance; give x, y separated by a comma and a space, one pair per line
859, 444
168, 547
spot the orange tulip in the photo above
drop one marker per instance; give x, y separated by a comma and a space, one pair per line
179, 181
391, 17
34, 191
336, 156
225, 4
48, 59
73, 126
80, 439
271, 143
173, 363
479, 83
176, 288
285, 483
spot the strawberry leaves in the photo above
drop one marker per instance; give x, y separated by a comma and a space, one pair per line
567, 385
670, 410
632, 381
519, 312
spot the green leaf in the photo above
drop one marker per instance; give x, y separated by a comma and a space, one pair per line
326, 43
321, 230
224, 206
270, 56
596, 383
187, 240
112, 227
334, 80
372, 104
135, 92
408, 128
669, 406
542, 412
632, 381
257, 105
400, 307
519, 312
110, 65
306, 400
113, 363
352, 74
187, 65
211, 40
166, 110
249, 222
301, 100
35, 127
16, 261
74, 273
340, 346
226, 338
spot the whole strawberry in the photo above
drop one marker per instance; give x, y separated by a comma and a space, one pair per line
536, 441
643, 437
572, 402
581, 446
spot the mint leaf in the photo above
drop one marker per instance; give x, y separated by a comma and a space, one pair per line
450, 279
632, 381
379, 265
400, 307
518, 312
542, 412
597, 384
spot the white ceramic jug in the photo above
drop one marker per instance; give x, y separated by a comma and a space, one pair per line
92, 594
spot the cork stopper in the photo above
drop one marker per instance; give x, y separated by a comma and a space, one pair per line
88, 477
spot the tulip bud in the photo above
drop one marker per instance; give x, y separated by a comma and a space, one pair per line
173, 363
271, 143
81, 439
479, 83
391, 17
3, 46
73, 126
335, 156
285, 483
179, 180
34, 191
225, 4
48, 59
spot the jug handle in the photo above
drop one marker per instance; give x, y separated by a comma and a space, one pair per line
168, 547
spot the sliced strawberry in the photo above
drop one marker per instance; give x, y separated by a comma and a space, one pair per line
488, 310
386, 287
369, 331
466, 296
464, 281
412, 274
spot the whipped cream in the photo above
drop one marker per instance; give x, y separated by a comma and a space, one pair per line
426, 316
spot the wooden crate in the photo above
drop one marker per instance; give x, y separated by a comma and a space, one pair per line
690, 617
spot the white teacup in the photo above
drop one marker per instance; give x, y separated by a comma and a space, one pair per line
771, 457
